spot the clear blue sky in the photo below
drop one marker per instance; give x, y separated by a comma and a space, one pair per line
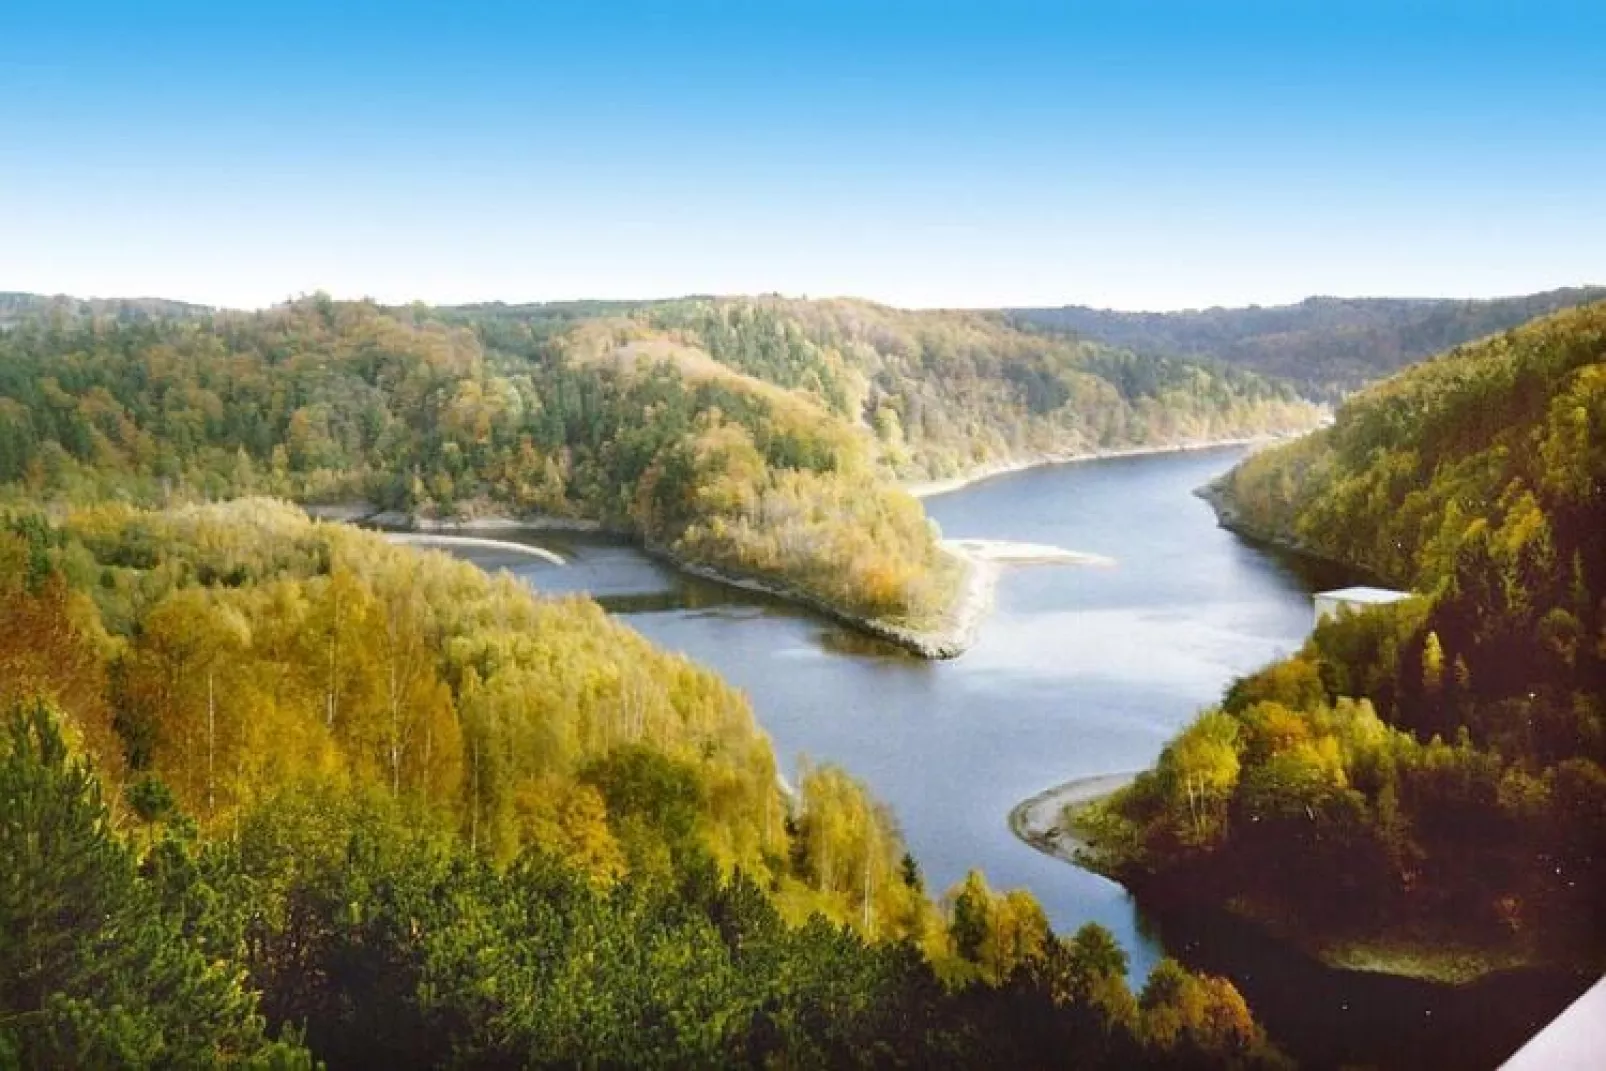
1135, 154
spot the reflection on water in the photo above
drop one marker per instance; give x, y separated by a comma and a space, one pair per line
843, 641
1079, 671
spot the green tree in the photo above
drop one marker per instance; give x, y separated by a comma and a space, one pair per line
971, 917
91, 972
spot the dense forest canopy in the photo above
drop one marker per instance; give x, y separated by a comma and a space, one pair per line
275, 791
942, 392
759, 437
1442, 761
1327, 346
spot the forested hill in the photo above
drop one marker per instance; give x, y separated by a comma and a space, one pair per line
759, 437
1327, 346
1500, 443
1441, 761
941, 392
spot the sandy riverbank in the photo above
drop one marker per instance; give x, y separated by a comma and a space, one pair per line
1039, 821
535, 522
370, 514
1007, 552
434, 539
930, 488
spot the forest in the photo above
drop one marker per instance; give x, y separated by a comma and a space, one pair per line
276, 793
946, 392
1326, 346
1428, 775
761, 438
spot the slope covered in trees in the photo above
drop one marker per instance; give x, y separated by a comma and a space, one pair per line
946, 392
1429, 773
1327, 346
327, 402
274, 791
756, 438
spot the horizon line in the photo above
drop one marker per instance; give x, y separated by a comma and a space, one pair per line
776, 294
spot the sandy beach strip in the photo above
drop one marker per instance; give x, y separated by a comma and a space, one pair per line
431, 539
1008, 552
1037, 821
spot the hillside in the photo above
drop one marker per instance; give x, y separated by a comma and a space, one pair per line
945, 393
758, 439
1440, 761
1326, 346
274, 791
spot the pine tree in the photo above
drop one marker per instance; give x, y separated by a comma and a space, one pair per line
91, 973
972, 917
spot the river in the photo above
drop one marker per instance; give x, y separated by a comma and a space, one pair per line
1080, 670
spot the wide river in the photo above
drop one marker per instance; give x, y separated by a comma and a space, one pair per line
1080, 670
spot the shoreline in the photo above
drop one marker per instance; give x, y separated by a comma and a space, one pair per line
358, 512
951, 638
923, 489
435, 539
1036, 820
1218, 496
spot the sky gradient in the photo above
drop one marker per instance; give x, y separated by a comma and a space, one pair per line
1135, 155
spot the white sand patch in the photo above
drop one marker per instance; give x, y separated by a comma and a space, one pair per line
430, 539
1007, 552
